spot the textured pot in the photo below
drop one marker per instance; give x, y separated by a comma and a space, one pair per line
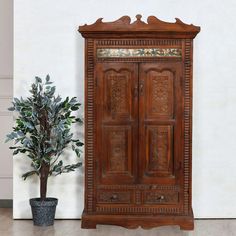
43, 211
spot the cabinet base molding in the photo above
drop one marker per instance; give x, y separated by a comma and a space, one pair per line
185, 222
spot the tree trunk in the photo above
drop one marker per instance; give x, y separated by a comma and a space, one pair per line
44, 172
45, 168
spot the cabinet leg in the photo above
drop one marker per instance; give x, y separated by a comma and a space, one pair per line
88, 224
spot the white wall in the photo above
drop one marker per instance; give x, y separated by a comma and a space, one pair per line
46, 41
6, 91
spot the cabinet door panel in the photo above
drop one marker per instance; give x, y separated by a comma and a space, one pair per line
118, 149
160, 94
159, 152
160, 123
117, 122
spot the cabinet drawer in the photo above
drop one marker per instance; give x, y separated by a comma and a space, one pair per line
114, 197
159, 197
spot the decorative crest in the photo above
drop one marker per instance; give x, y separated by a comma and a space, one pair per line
139, 27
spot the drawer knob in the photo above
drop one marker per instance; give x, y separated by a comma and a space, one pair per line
114, 197
160, 198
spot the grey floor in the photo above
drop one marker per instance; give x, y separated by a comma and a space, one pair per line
9, 227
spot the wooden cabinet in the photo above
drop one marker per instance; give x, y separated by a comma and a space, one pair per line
138, 121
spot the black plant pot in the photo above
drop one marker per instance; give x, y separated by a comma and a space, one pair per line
43, 211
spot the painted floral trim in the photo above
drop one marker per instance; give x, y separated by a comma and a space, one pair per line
138, 52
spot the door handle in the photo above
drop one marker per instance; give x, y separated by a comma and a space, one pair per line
136, 90
141, 88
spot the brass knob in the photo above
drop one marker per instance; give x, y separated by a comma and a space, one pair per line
160, 198
114, 197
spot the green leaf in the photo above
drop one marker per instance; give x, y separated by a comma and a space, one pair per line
60, 163
11, 136
75, 108
50, 149
16, 100
23, 151
79, 120
78, 151
67, 168
20, 133
40, 87
16, 152
53, 89
79, 144
47, 78
28, 125
11, 109
64, 104
38, 80
58, 99
27, 174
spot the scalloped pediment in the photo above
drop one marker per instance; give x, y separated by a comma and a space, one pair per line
153, 25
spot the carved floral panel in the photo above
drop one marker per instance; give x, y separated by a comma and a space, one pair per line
161, 94
138, 52
160, 149
118, 92
118, 159
117, 150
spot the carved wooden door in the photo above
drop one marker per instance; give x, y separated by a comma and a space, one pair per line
117, 122
160, 122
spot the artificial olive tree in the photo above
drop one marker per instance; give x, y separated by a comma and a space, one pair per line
42, 131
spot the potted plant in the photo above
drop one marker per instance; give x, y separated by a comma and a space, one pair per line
41, 133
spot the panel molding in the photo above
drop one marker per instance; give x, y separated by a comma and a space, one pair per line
140, 42
6, 177
140, 187
139, 210
187, 125
2, 77
6, 97
89, 126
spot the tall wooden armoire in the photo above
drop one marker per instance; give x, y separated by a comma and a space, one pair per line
138, 123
